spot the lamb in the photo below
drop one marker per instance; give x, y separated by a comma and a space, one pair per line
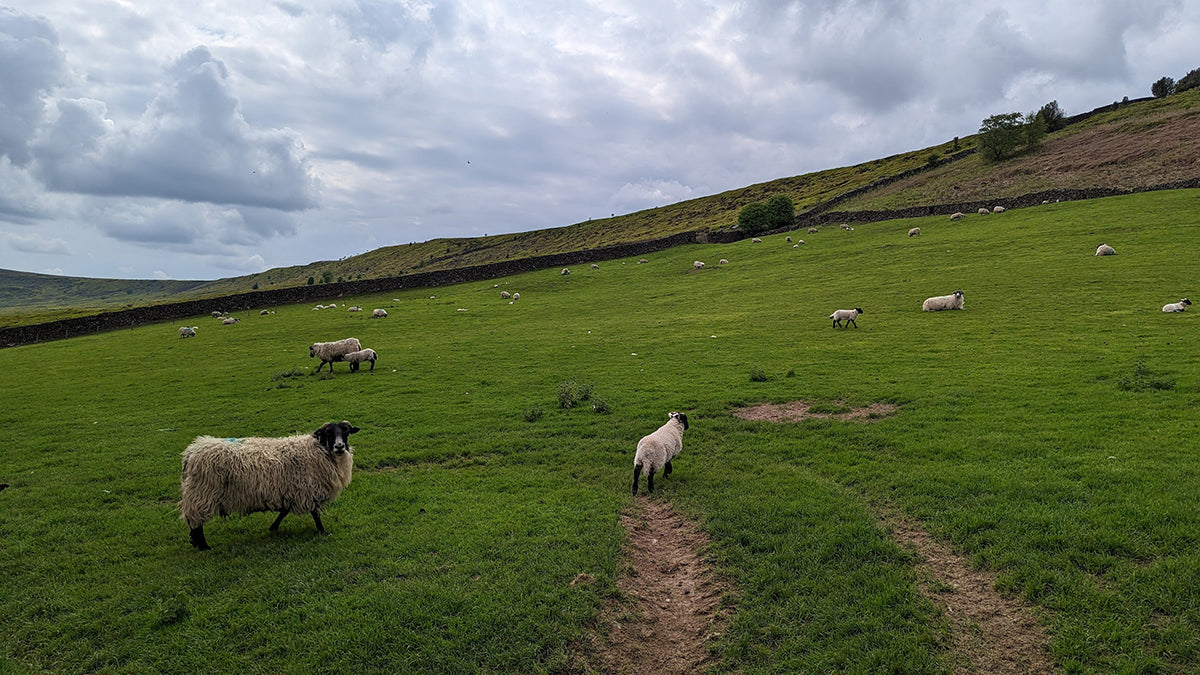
330, 352
957, 215
940, 302
1177, 306
847, 315
187, 331
656, 450
915, 232
247, 475
1105, 249
379, 314
355, 358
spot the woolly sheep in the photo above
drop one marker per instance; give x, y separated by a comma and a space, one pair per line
566, 271
915, 232
331, 305
847, 315
656, 450
846, 227
354, 308
722, 261
187, 331
1105, 249
378, 313
788, 239
595, 266
356, 358
330, 352
1177, 306
504, 295
516, 296
940, 302
983, 211
756, 240
799, 242
229, 321
643, 261
264, 312
812, 230
697, 264
298, 473
958, 215
216, 314
998, 209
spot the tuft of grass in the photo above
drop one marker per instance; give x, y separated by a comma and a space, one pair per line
758, 374
533, 413
1141, 378
571, 393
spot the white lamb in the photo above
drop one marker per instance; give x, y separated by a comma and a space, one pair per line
656, 450
1177, 306
697, 264
355, 358
847, 315
940, 302
1105, 249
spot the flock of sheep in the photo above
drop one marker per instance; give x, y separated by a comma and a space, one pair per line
305, 472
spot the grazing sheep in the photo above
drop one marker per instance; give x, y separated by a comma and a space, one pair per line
330, 352
697, 264
983, 211
643, 261
566, 271
799, 242
355, 358
1105, 249
722, 261
378, 313
504, 295
940, 302
516, 296
812, 230
756, 240
788, 239
958, 215
318, 307
331, 306
915, 232
187, 331
229, 321
595, 266
1177, 306
264, 312
998, 209
248, 475
847, 228
354, 308
656, 450
847, 315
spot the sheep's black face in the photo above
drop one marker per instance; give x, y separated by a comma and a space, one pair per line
859, 310
335, 437
681, 417
311, 352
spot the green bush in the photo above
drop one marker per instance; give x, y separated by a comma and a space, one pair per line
775, 213
1002, 136
1052, 117
1189, 81
1163, 87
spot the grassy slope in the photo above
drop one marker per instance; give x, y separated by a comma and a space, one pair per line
456, 544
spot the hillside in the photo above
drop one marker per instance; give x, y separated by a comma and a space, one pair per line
1138, 145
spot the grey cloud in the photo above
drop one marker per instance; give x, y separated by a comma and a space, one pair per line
31, 63
33, 243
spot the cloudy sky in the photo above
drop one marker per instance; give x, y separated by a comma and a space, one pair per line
206, 139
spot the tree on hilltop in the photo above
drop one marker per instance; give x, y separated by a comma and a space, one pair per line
1163, 87
1189, 81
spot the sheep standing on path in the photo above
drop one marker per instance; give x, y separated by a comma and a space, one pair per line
656, 450
246, 475
329, 352
1177, 306
940, 302
847, 315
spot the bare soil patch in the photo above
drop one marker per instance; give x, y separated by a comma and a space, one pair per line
989, 633
802, 410
672, 602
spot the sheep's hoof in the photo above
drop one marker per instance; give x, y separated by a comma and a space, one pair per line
197, 538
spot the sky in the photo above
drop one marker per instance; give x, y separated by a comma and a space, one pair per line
214, 138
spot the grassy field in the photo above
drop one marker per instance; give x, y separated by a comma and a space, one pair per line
1048, 432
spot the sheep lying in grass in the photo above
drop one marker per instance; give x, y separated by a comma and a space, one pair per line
656, 450
915, 232
1177, 306
187, 331
330, 352
1105, 249
229, 321
355, 358
941, 302
247, 475
354, 308
847, 315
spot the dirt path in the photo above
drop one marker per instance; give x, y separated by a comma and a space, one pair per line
990, 633
674, 596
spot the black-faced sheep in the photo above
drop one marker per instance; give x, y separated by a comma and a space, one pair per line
247, 475
1177, 306
847, 315
331, 352
355, 358
656, 450
915, 232
187, 331
940, 302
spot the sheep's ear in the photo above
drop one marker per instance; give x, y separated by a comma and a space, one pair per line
320, 433
683, 418
350, 428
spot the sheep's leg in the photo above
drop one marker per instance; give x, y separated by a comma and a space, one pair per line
275, 525
198, 538
372, 366
317, 519
322, 366
667, 470
854, 322
637, 471
650, 481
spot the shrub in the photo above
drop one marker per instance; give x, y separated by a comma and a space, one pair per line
1163, 87
1189, 81
600, 405
758, 374
326, 277
533, 414
1001, 136
311, 281
754, 218
1142, 379
571, 393
1052, 117
782, 211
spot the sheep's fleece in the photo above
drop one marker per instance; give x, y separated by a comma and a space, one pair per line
299, 473
656, 450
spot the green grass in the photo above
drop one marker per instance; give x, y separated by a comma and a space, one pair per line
477, 498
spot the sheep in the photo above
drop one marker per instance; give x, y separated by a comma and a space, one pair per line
983, 211
378, 313
187, 331
756, 240
229, 321
354, 308
1105, 249
847, 315
812, 230
957, 215
516, 296
355, 358
330, 352
788, 239
595, 266
264, 312
697, 264
656, 450
915, 232
643, 261
504, 295
940, 302
247, 475
799, 242
1177, 306
332, 305
722, 261
216, 314
847, 228
998, 209
318, 307
566, 271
